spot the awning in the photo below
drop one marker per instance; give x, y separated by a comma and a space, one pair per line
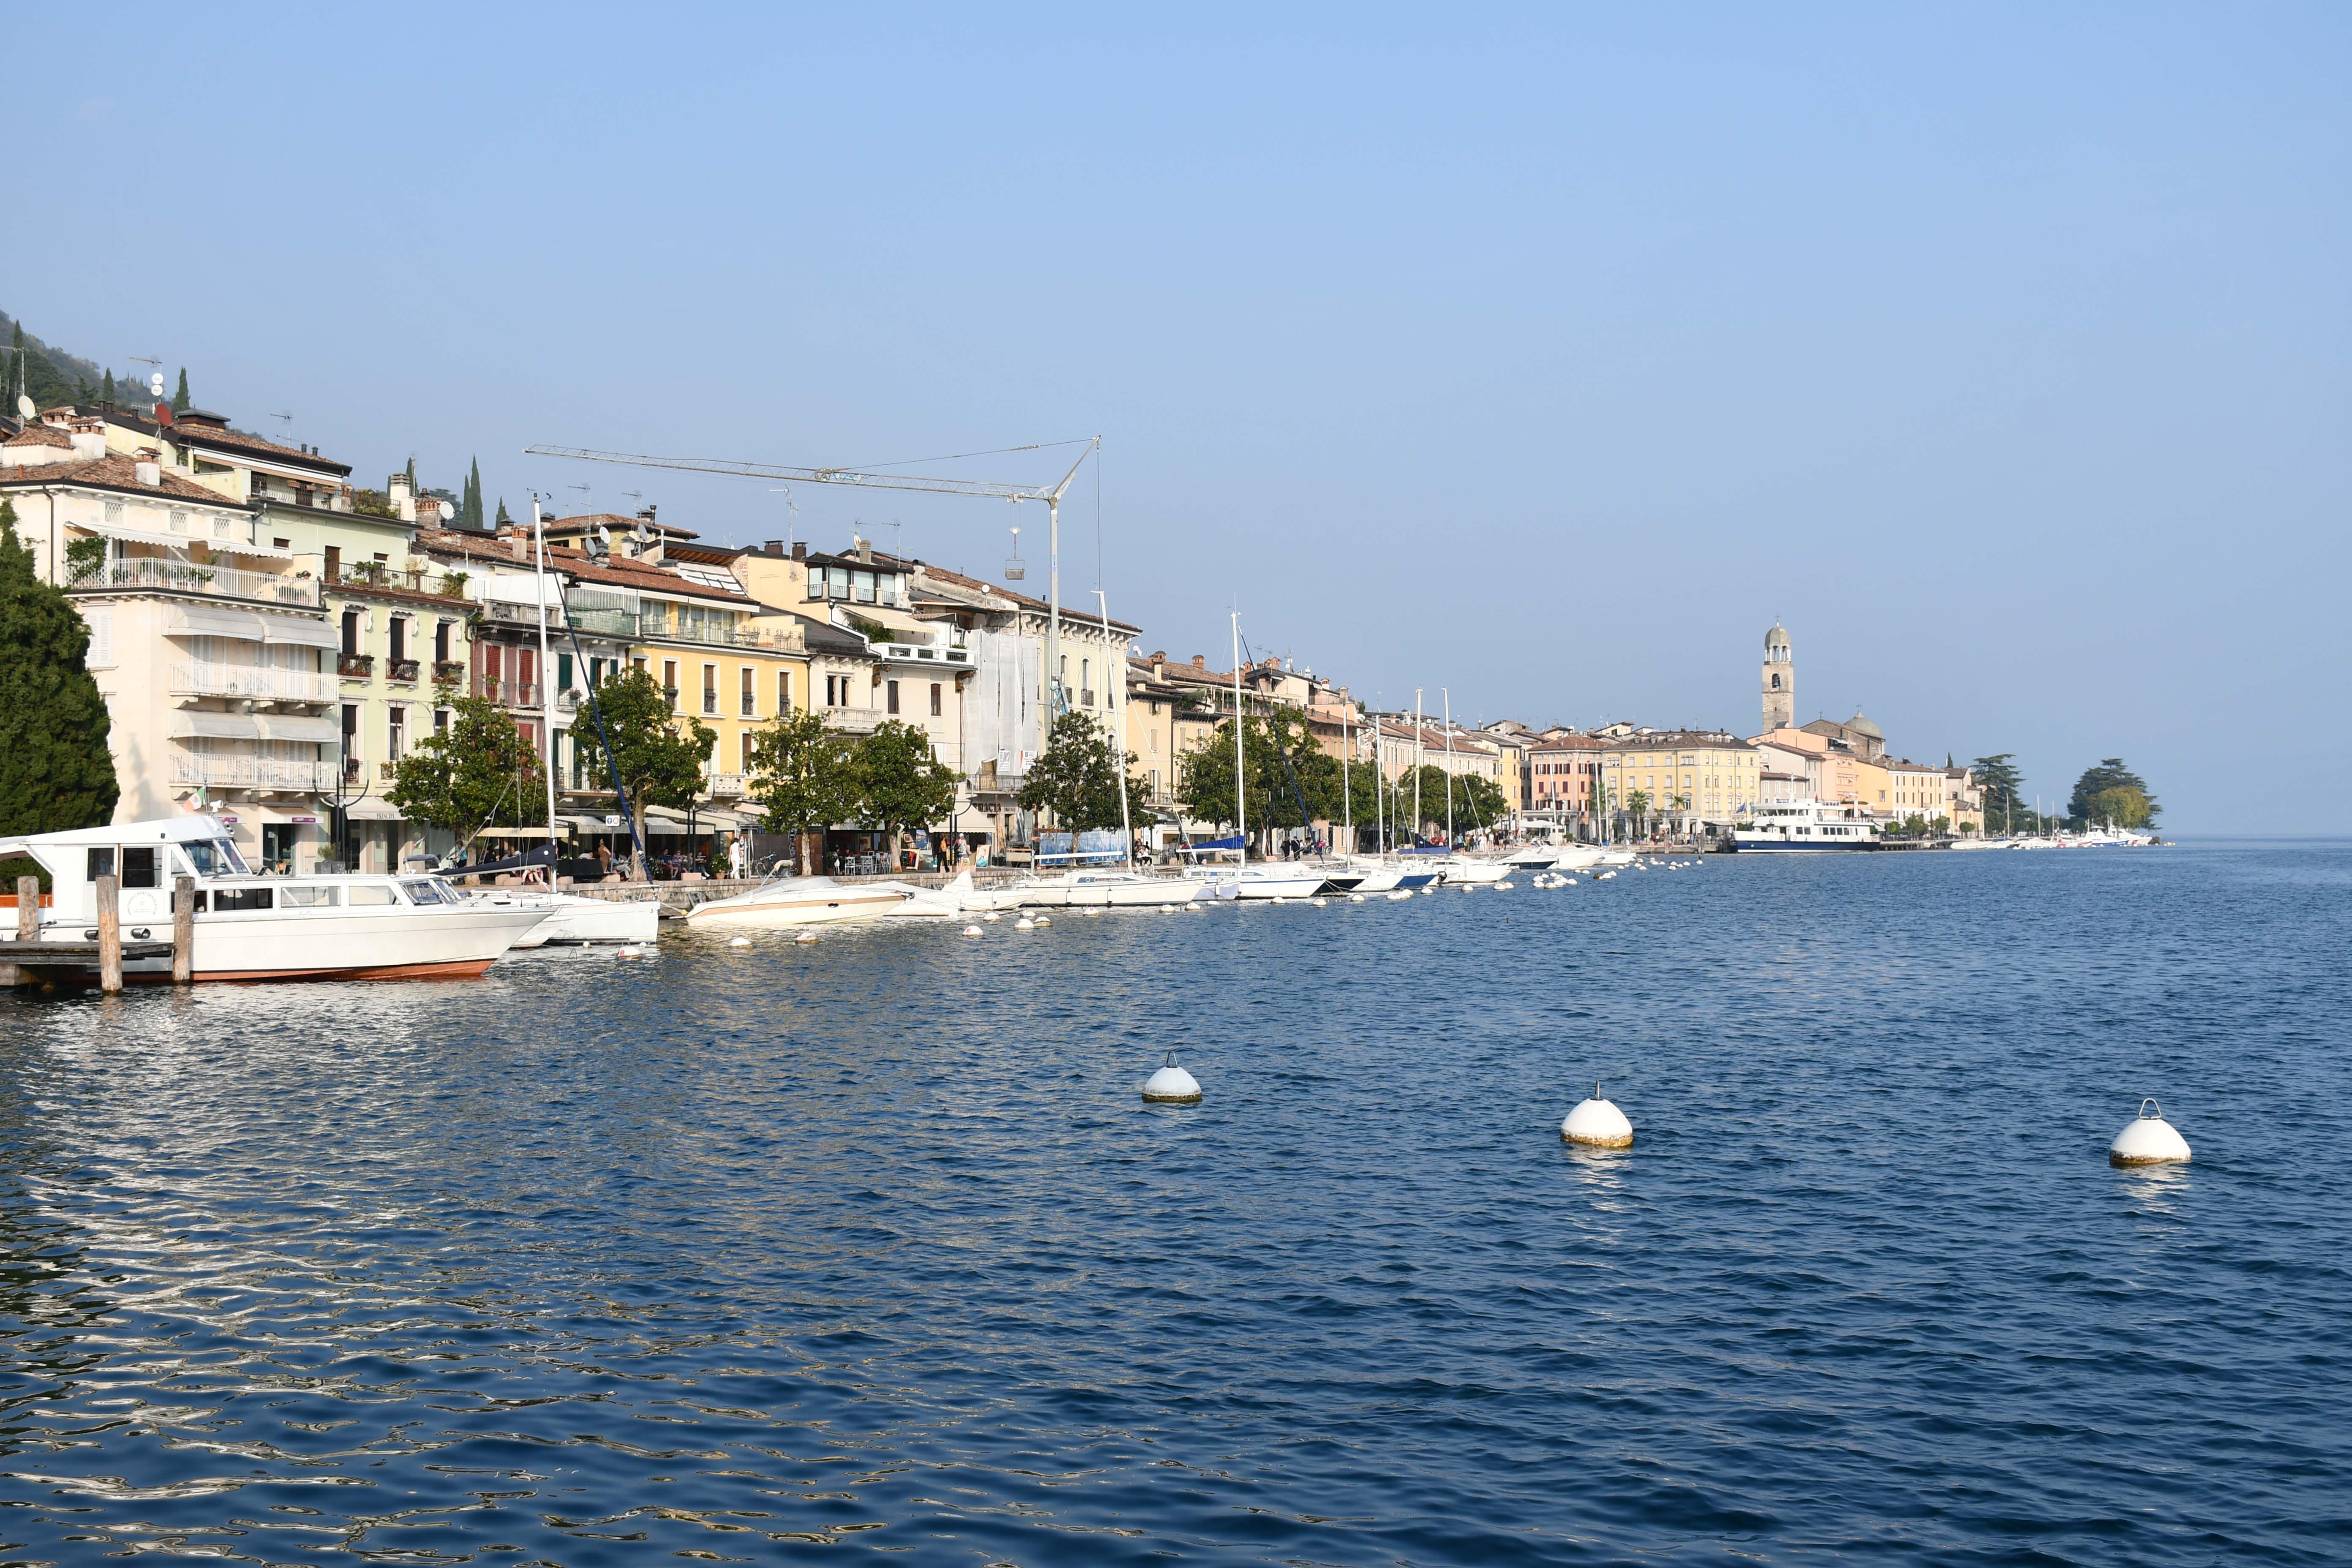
970, 820
138, 535
188, 721
295, 727
371, 809
301, 632
255, 552
538, 833
198, 620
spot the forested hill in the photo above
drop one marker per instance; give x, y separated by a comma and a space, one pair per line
51, 374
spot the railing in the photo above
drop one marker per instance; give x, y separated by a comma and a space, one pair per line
924, 653
251, 772
727, 786
252, 681
606, 623
1086, 698
354, 770
152, 573
357, 666
709, 637
448, 669
512, 693
523, 614
568, 701
400, 670
414, 580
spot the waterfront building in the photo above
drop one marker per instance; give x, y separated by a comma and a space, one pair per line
1564, 781
205, 644
1684, 775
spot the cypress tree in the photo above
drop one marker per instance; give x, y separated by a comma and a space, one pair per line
56, 769
503, 518
180, 398
106, 390
469, 515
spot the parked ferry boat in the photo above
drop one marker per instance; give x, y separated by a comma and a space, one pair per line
250, 927
1804, 827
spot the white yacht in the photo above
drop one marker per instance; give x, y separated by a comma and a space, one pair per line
575, 919
1806, 827
785, 900
250, 927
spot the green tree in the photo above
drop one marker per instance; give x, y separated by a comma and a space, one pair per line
2110, 774
2123, 806
180, 398
1637, 807
477, 772
901, 785
106, 389
658, 761
56, 769
804, 777
1077, 779
469, 506
503, 518
1205, 786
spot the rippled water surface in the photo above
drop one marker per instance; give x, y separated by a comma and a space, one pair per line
780, 1253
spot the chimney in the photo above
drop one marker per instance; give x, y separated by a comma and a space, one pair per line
518, 544
865, 551
1200, 661
147, 471
799, 551
773, 547
404, 505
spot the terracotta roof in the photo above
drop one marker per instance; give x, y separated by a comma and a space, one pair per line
247, 441
1570, 744
571, 563
39, 436
1678, 740
115, 473
617, 523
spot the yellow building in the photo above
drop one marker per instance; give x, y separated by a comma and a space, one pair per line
1684, 775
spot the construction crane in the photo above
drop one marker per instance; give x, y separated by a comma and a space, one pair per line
1050, 494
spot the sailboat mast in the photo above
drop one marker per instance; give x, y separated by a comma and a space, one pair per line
546, 683
1241, 805
1448, 696
1118, 695
1346, 784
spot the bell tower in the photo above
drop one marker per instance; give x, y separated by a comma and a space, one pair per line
1780, 680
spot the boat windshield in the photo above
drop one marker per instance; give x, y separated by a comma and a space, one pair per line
215, 857
425, 890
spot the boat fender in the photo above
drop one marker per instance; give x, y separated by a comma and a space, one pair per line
1595, 1123
1171, 1084
2148, 1140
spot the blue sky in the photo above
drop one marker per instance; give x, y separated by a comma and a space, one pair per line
1545, 356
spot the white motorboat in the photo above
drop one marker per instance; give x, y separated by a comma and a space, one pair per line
930, 903
250, 927
1103, 888
1269, 881
574, 918
1533, 858
1804, 827
1459, 868
782, 900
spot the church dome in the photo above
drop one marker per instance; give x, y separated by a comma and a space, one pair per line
1777, 638
1862, 726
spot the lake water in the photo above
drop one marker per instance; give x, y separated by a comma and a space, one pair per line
774, 1254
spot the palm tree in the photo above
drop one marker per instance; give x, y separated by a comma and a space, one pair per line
1637, 807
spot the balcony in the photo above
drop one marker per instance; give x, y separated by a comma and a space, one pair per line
508, 693
618, 624
356, 666
706, 637
251, 772
354, 771
1086, 698
512, 615
727, 787
252, 682
154, 575
448, 672
924, 653
568, 701
430, 580
402, 670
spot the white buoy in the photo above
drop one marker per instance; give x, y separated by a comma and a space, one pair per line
1044, 919
1171, 908
805, 936
1402, 893
1355, 898
992, 916
1171, 1084
1322, 903
631, 953
1280, 899
1093, 914
1025, 923
739, 941
2149, 1139
1429, 890
1596, 1123
1568, 881
1505, 886
972, 930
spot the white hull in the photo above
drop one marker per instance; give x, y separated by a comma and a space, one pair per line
791, 902
573, 918
1255, 883
1474, 872
1097, 889
1803, 828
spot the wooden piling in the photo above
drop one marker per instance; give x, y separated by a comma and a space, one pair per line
28, 925
110, 936
183, 929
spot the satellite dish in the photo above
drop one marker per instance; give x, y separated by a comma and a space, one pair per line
24, 405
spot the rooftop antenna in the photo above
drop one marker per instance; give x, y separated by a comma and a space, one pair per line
587, 498
287, 418
793, 512
898, 540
